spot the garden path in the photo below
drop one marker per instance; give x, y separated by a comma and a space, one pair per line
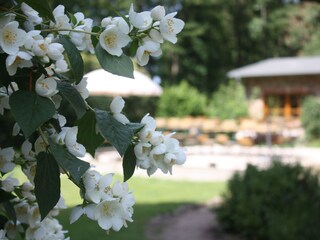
189, 222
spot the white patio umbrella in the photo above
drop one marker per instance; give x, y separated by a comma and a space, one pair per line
101, 82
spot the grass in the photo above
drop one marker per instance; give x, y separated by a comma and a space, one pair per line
153, 197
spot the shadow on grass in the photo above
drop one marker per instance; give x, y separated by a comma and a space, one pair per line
85, 228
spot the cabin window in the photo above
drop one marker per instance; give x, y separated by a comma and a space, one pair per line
283, 104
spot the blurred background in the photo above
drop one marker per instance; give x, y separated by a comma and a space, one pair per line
241, 86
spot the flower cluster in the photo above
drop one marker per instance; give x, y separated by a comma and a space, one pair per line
28, 219
110, 206
153, 149
41, 54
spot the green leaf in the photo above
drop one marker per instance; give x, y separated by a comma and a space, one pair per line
129, 163
94, 38
74, 56
121, 66
47, 183
133, 47
69, 163
30, 110
87, 135
42, 7
118, 134
73, 97
5, 196
11, 213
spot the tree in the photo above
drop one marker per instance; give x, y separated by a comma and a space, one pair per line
41, 67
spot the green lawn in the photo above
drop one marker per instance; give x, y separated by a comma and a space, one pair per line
153, 197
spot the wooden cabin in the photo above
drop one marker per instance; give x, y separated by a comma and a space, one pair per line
282, 83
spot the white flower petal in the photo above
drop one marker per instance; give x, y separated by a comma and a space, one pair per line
76, 213
117, 104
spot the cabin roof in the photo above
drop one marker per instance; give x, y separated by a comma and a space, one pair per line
284, 66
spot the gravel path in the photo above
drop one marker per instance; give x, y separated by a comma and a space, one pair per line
189, 222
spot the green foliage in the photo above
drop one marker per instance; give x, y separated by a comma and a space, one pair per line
73, 97
229, 101
129, 163
121, 66
118, 134
30, 110
310, 115
74, 58
181, 100
69, 163
47, 183
87, 134
281, 202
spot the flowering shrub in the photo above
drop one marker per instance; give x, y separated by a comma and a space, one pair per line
40, 50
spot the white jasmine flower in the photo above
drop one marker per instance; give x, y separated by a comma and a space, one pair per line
32, 37
78, 38
16, 129
171, 144
88, 28
142, 21
73, 146
147, 49
82, 88
46, 87
112, 39
32, 15
49, 228
109, 214
26, 191
145, 135
156, 36
61, 20
22, 211
170, 27
11, 37
181, 157
149, 122
61, 66
158, 12
97, 186
157, 138
121, 24
55, 51
60, 137
76, 213
116, 107
3, 235
9, 184
117, 104
61, 119
26, 149
30, 170
34, 216
6, 157
4, 100
147, 131
21, 59
12, 229
121, 118
142, 150
40, 145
